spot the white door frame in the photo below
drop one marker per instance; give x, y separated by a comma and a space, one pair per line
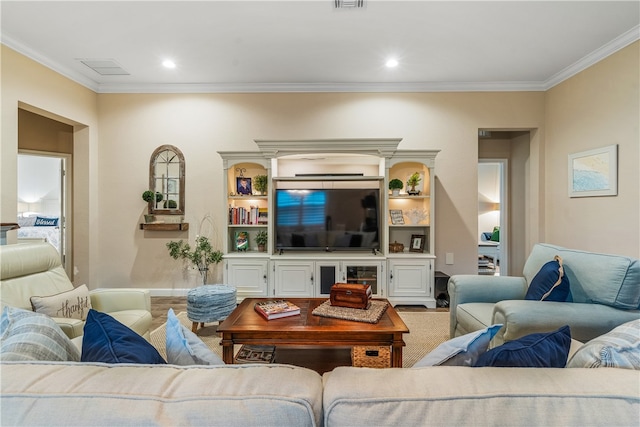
66, 192
504, 212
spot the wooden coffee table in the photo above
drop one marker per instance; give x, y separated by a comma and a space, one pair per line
245, 326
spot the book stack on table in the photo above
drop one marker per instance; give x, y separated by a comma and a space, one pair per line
275, 309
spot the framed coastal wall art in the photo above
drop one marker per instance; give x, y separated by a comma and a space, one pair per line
594, 172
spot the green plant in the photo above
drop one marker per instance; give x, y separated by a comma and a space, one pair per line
413, 180
201, 256
395, 184
261, 237
171, 204
260, 183
147, 196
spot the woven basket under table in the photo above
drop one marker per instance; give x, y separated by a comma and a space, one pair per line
371, 357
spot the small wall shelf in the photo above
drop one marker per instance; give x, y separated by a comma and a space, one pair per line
182, 226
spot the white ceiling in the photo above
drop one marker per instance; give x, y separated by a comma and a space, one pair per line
293, 46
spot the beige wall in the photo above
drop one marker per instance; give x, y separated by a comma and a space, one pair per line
35, 88
598, 107
133, 125
109, 244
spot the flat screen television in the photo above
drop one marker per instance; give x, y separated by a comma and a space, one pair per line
327, 219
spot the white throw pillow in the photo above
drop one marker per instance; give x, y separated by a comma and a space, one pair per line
460, 351
73, 304
185, 348
619, 348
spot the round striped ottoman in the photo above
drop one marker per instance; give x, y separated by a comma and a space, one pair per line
210, 303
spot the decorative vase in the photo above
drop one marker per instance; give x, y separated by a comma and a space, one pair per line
395, 192
148, 218
261, 248
204, 271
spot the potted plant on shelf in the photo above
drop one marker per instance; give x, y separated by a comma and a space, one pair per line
201, 256
261, 240
395, 185
150, 196
260, 183
413, 180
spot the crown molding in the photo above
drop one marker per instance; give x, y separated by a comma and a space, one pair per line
597, 55
375, 87
43, 60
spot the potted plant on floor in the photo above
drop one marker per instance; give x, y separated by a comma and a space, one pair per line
395, 185
413, 180
261, 240
201, 256
260, 183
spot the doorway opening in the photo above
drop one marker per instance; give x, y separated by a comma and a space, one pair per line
492, 203
506, 204
43, 204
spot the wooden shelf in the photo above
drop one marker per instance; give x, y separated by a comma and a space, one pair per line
181, 226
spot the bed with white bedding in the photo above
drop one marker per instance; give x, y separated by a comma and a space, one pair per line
40, 228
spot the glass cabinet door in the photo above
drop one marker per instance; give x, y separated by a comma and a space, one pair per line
363, 275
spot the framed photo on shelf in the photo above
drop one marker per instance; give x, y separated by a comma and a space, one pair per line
242, 241
417, 243
243, 186
594, 172
396, 217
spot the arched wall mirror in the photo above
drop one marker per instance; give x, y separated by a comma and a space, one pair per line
166, 177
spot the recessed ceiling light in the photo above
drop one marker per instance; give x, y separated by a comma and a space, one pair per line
169, 63
392, 63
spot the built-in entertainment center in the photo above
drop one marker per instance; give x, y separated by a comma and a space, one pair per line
330, 217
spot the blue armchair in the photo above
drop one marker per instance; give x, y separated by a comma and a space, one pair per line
605, 290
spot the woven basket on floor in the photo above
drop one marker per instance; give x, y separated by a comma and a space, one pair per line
371, 357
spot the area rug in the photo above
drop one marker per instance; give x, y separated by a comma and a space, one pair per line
427, 331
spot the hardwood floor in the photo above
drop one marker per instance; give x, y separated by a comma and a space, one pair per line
160, 306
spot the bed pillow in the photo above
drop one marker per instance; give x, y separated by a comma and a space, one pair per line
25, 335
45, 222
550, 283
73, 304
495, 236
109, 341
186, 348
619, 348
540, 350
460, 351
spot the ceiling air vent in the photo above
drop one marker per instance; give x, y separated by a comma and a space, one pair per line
105, 67
348, 4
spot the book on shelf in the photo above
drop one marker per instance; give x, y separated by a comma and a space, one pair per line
275, 309
256, 354
263, 216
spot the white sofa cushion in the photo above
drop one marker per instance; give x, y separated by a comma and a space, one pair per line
42, 393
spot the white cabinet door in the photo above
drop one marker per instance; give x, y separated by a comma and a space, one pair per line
409, 278
293, 279
249, 276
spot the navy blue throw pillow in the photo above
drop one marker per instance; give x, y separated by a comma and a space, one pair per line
540, 350
109, 341
550, 283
